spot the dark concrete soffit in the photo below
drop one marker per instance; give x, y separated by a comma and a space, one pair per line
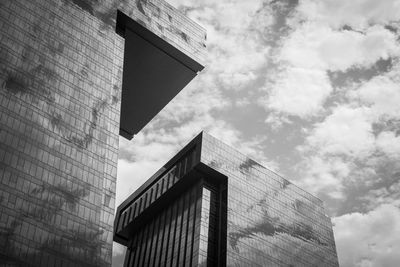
124, 21
154, 73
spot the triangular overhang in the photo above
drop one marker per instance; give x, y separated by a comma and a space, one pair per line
154, 73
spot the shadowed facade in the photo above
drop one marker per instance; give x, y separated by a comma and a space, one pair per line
212, 206
68, 86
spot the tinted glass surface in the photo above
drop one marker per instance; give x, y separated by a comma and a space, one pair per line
60, 79
60, 74
271, 222
176, 235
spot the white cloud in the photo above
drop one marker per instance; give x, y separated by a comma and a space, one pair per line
311, 49
300, 92
299, 49
346, 134
302, 86
371, 239
234, 51
325, 175
341, 50
389, 144
131, 175
236, 57
347, 131
276, 121
382, 94
118, 255
142, 148
356, 13
201, 96
330, 149
242, 102
390, 194
233, 15
118, 249
318, 46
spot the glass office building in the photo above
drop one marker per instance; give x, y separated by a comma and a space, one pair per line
72, 78
212, 206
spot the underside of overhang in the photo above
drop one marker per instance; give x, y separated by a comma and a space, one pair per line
154, 73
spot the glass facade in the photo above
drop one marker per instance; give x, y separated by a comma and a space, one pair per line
204, 227
171, 237
182, 233
246, 214
60, 95
156, 190
270, 221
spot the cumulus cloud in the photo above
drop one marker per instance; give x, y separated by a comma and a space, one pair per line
389, 144
131, 175
237, 14
311, 49
382, 94
302, 86
299, 91
389, 194
234, 45
277, 121
118, 255
344, 159
347, 131
318, 46
325, 175
342, 150
237, 65
201, 96
356, 13
369, 240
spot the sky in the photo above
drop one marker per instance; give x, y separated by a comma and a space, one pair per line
311, 90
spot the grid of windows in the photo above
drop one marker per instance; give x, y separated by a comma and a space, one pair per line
156, 190
249, 216
271, 222
59, 134
204, 227
60, 78
172, 237
168, 23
